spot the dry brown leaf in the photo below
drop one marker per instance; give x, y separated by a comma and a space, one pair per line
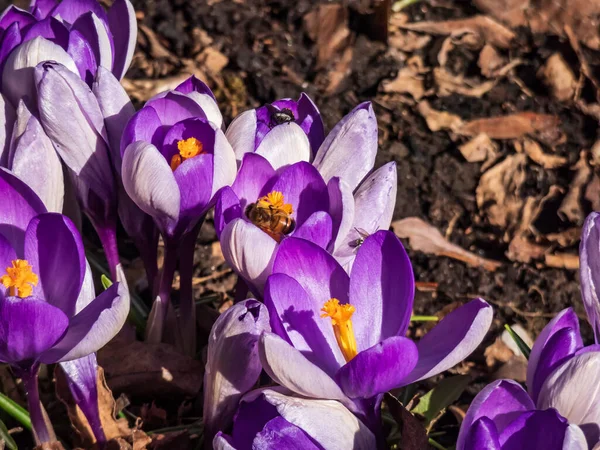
592, 192
537, 155
212, 60
490, 61
534, 207
157, 370
449, 84
562, 261
565, 238
408, 81
515, 126
549, 16
522, 250
439, 120
340, 71
515, 369
480, 148
327, 25
595, 154
425, 238
559, 77
463, 38
496, 353
498, 192
571, 208
490, 31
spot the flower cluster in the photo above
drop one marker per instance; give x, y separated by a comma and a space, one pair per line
325, 291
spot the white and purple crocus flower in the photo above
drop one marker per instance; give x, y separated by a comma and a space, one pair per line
48, 309
560, 409
175, 160
342, 337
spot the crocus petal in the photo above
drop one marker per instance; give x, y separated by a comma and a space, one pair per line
70, 10
227, 208
82, 376
327, 422
564, 319
225, 167
19, 206
285, 144
545, 428
341, 208
7, 255
378, 369
291, 369
123, 26
88, 292
116, 108
303, 187
563, 390
297, 317
55, 251
254, 179
7, 121
93, 327
222, 442
94, 31
14, 14
560, 347
150, 183
80, 141
382, 289
49, 28
18, 75
36, 162
241, 133
349, 150
11, 37
501, 401
482, 435
194, 180
589, 270
279, 433
452, 340
29, 327
309, 119
232, 365
249, 251
316, 229
82, 53
574, 439
43, 6
174, 107
198, 91
316, 270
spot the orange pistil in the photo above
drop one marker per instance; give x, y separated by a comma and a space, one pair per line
341, 319
19, 279
188, 148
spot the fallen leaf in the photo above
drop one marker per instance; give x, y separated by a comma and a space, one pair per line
548, 16
522, 250
537, 155
463, 38
490, 61
426, 238
514, 369
496, 353
157, 370
559, 77
595, 154
449, 84
327, 25
480, 148
490, 31
571, 208
439, 120
408, 81
515, 126
565, 238
592, 192
414, 436
498, 193
562, 261
212, 60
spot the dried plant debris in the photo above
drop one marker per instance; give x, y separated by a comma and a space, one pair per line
535, 152
426, 238
480, 149
571, 208
559, 77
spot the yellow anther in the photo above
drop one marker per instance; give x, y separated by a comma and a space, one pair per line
275, 200
19, 279
188, 148
341, 319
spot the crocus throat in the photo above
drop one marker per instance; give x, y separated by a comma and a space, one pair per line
188, 148
274, 200
19, 279
341, 319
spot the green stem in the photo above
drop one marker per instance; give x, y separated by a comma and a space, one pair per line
424, 319
15, 410
436, 445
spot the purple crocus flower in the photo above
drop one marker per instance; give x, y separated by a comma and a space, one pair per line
559, 410
48, 310
268, 419
77, 33
284, 132
175, 160
264, 207
342, 337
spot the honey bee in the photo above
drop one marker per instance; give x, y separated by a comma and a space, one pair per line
362, 235
283, 116
272, 220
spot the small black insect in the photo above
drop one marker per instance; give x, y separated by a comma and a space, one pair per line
283, 116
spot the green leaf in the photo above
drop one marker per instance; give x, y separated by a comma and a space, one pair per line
7, 438
106, 283
15, 410
441, 396
520, 342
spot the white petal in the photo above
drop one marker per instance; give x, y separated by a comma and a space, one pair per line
285, 144
225, 167
209, 106
241, 134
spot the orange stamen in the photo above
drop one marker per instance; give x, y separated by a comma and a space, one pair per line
341, 319
19, 279
188, 148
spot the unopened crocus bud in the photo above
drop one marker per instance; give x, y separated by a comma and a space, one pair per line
232, 365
